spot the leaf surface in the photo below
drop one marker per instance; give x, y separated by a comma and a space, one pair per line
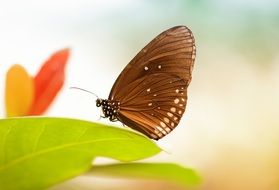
160, 171
36, 152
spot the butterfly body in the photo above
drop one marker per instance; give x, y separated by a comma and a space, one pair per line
110, 108
150, 94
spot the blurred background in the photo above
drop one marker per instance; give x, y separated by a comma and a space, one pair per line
230, 131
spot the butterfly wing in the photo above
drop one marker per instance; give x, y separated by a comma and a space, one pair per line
154, 104
171, 52
152, 88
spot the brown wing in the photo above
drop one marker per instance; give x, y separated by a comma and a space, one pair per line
171, 52
154, 104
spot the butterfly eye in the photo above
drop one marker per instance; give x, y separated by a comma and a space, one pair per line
98, 102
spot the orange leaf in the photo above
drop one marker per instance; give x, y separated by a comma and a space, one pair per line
49, 81
19, 91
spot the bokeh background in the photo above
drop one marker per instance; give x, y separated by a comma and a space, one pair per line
230, 131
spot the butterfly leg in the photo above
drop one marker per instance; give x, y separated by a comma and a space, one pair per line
113, 119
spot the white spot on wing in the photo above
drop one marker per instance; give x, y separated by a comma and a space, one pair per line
161, 130
169, 114
176, 100
156, 131
172, 124
159, 66
148, 90
162, 124
149, 104
145, 68
173, 109
176, 90
153, 136
166, 120
180, 112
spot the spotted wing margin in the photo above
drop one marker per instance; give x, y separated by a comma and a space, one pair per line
171, 52
155, 106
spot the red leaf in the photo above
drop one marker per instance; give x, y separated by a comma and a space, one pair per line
49, 81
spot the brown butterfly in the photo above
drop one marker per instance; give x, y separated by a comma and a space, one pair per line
150, 94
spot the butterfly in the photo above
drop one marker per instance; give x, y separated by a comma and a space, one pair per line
150, 94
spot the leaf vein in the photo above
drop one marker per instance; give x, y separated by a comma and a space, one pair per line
52, 149
4, 140
38, 138
83, 132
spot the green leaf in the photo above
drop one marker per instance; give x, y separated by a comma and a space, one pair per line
36, 153
160, 171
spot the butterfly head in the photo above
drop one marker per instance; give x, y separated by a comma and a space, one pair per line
99, 102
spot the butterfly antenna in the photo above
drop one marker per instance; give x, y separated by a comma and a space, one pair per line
77, 88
